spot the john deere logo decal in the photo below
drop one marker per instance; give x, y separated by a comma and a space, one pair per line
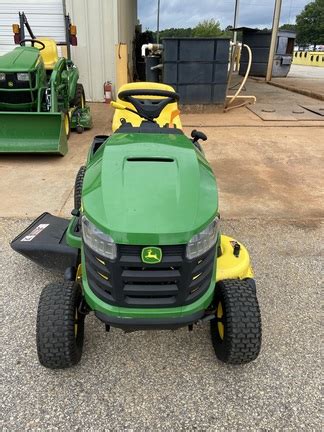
151, 255
10, 83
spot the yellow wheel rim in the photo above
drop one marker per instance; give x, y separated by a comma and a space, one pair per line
67, 124
82, 101
220, 325
76, 323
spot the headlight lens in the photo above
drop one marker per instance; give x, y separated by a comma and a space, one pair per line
2, 76
98, 241
202, 242
23, 76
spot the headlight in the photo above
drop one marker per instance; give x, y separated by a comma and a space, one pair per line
202, 242
23, 76
2, 76
98, 241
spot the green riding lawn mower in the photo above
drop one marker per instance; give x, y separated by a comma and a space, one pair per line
143, 249
40, 97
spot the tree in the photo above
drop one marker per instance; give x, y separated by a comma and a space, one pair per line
207, 28
288, 27
176, 32
310, 24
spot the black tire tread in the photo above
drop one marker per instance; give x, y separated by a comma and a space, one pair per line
79, 92
78, 187
57, 346
243, 331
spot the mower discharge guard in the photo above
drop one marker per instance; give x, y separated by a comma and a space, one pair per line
32, 132
44, 243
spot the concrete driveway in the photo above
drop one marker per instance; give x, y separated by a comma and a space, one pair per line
264, 169
270, 181
307, 80
168, 380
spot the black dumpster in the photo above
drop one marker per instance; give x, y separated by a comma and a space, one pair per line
259, 41
197, 68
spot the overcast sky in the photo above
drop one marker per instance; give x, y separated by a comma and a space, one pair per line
187, 13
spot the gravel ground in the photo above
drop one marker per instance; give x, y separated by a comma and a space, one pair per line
172, 380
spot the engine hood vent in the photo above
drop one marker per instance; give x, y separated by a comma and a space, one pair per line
149, 159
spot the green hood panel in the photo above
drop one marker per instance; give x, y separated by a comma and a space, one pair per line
21, 59
149, 201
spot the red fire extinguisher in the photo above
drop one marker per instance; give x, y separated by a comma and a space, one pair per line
107, 92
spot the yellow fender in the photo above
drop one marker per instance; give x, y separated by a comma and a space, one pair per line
231, 267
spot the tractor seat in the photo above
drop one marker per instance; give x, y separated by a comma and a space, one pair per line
49, 53
135, 120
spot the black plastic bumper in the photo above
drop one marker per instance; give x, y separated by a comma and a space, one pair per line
150, 323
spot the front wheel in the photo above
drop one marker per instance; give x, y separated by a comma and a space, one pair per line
67, 125
236, 329
60, 325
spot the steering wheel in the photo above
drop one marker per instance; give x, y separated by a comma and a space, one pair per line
33, 41
148, 108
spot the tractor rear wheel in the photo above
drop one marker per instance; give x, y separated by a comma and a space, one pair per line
79, 98
78, 187
236, 329
60, 325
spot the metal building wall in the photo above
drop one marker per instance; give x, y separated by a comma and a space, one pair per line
101, 25
45, 17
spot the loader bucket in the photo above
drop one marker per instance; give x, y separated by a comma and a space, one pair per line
32, 132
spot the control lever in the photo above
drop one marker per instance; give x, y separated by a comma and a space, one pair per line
197, 135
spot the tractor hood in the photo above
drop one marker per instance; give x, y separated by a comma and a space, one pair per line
21, 59
144, 188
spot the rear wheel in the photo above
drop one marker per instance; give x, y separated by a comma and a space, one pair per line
60, 325
236, 328
79, 98
78, 187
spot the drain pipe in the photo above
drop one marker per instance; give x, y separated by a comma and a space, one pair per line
153, 47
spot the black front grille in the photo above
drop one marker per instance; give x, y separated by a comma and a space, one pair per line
14, 97
11, 83
129, 282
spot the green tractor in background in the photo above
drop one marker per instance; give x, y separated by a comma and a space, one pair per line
40, 97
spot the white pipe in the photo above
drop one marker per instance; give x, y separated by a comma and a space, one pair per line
245, 77
151, 47
144, 48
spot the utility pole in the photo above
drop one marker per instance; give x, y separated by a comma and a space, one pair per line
158, 24
274, 37
236, 14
